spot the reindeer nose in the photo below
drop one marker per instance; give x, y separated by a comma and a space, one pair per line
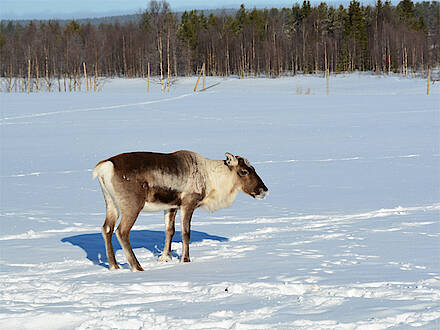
263, 193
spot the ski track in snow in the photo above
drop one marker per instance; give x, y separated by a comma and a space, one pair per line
336, 159
369, 261
111, 107
38, 173
20, 175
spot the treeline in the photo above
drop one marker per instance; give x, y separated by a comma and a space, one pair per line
253, 42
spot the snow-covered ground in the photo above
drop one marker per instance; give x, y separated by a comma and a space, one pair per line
349, 237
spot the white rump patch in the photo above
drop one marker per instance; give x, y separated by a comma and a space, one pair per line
104, 171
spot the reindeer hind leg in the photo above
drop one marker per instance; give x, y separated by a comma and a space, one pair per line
128, 218
111, 216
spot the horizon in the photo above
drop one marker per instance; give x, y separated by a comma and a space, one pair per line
82, 9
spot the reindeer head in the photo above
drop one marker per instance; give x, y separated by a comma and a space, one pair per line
249, 181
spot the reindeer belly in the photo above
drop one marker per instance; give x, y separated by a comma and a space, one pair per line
156, 207
159, 199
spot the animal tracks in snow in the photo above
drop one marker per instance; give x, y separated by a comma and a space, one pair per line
71, 283
329, 249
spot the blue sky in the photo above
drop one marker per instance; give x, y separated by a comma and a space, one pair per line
63, 9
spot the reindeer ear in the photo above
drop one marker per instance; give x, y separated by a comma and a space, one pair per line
231, 160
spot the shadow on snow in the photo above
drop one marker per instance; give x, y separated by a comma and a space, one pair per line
94, 246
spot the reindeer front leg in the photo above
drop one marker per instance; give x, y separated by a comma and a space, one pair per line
185, 217
170, 216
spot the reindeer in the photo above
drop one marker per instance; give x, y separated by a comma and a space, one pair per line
150, 182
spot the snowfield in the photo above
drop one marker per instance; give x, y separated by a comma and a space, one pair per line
349, 237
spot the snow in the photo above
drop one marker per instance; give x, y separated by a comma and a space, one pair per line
347, 239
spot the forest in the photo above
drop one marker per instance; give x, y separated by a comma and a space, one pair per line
382, 38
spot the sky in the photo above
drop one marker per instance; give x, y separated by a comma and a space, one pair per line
68, 9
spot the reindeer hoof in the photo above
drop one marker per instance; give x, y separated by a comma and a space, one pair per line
137, 269
113, 267
186, 259
165, 258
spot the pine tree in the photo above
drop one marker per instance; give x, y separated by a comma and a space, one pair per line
355, 38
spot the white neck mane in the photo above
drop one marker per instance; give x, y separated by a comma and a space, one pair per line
221, 187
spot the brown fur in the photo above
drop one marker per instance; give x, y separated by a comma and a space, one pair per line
132, 182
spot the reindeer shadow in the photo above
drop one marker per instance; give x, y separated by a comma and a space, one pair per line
93, 244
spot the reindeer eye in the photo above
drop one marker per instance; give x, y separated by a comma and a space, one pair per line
243, 172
